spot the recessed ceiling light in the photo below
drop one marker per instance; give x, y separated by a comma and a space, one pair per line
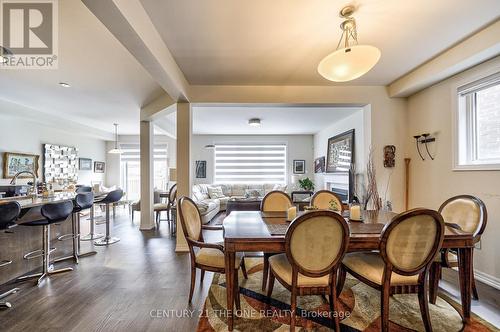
254, 122
64, 85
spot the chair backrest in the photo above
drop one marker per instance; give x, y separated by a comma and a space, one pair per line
409, 243
112, 196
83, 189
468, 212
9, 212
84, 200
172, 195
276, 201
316, 242
321, 199
190, 219
57, 212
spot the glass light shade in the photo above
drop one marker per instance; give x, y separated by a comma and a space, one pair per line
349, 63
115, 151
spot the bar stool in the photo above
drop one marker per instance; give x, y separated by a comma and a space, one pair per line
92, 235
111, 198
8, 213
83, 189
52, 213
82, 201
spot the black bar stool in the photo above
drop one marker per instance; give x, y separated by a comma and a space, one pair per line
92, 235
83, 189
8, 213
52, 213
111, 198
82, 201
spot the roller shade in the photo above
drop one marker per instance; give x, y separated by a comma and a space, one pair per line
131, 151
250, 164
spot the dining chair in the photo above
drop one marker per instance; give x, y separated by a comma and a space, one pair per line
322, 200
408, 245
273, 201
210, 256
315, 244
467, 213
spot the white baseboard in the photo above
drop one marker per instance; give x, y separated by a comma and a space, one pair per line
487, 279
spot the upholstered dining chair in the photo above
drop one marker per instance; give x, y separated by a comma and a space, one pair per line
315, 244
273, 201
210, 256
467, 213
408, 245
322, 198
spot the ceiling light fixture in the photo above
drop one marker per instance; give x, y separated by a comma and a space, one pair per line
210, 146
115, 150
64, 85
254, 122
5, 53
351, 61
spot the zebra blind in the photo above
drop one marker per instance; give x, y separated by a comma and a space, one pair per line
250, 164
132, 152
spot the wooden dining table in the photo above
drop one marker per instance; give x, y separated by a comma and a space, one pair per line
255, 231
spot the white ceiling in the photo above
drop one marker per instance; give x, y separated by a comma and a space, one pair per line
275, 120
281, 42
108, 84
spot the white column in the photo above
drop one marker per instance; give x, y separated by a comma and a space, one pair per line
184, 130
147, 183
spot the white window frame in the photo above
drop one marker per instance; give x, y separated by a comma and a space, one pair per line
463, 148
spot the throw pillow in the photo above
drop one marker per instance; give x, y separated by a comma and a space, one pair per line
253, 193
215, 192
280, 187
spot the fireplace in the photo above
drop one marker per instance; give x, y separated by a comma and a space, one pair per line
340, 184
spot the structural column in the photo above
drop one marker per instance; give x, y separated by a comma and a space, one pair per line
184, 130
147, 175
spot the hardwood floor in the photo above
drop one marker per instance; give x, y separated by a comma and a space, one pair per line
115, 290
133, 285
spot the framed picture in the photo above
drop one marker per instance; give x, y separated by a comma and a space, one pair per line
99, 166
201, 169
299, 166
84, 164
340, 153
319, 165
14, 163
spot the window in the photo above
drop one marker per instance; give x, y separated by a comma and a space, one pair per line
250, 164
479, 124
131, 169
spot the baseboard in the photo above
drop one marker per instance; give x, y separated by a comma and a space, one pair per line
487, 279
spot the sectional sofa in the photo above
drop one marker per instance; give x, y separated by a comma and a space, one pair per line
211, 201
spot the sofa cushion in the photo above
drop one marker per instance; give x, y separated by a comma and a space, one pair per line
238, 189
253, 193
207, 205
280, 187
226, 189
215, 192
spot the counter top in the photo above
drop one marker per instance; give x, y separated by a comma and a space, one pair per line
27, 202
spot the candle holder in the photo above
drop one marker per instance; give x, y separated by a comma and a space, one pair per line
355, 212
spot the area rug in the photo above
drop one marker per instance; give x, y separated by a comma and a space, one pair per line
359, 309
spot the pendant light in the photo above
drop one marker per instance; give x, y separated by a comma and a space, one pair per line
351, 61
115, 150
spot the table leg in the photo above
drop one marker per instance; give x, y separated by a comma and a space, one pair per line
229, 258
465, 276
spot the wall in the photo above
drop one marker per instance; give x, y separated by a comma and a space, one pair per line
432, 182
298, 147
354, 121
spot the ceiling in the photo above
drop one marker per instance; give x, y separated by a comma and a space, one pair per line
108, 85
275, 120
281, 42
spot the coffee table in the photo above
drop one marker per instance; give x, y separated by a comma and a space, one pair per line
243, 204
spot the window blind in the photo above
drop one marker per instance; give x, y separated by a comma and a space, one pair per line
132, 152
250, 164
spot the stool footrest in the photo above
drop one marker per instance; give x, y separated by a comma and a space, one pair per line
4, 263
90, 237
68, 236
37, 253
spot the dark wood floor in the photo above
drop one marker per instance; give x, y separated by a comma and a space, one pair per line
125, 284
116, 290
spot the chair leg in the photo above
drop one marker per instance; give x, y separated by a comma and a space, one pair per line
265, 271
341, 280
293, 304
434, 273
384, 308
236, 291
193, 279
270, 286
244, 268
334, 305
424, 305
475, 295
202, 274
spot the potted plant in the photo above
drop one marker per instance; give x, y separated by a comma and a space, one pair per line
306, 184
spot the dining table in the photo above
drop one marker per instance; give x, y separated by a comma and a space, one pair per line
256, 231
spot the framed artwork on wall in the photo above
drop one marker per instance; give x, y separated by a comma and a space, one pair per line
14, 163
99, 166
201, 169
299, 166
84, 164
340, 152
319, 165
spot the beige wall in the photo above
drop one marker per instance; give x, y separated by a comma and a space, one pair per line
432, 182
